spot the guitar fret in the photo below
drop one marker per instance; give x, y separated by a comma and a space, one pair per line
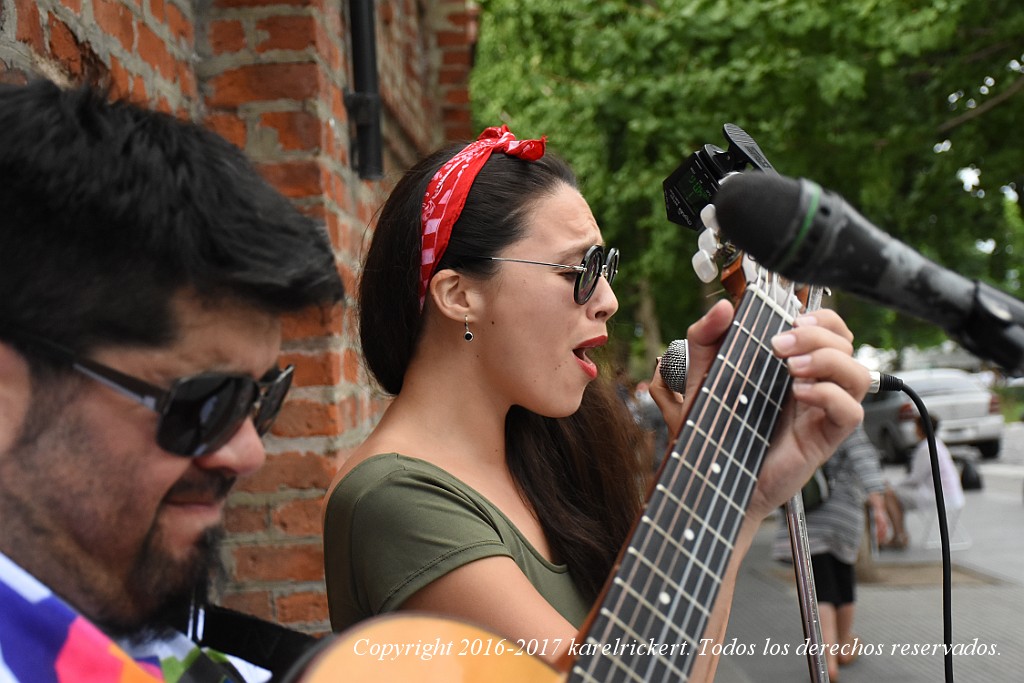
668, 579
586, 677
752, 337
655, 612
678, 587
668, 537
638, 638
772, 304
752, 385
685, 551
743, 421
681, 591
623, 627
665, 585
721, 449
679, 501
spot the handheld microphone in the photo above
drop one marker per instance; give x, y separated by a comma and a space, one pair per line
672, 367
813, 236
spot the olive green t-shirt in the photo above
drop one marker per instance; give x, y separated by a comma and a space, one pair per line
394, 524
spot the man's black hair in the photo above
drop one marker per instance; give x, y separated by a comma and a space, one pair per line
108, 210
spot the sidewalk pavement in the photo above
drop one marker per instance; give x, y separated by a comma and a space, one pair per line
903, 604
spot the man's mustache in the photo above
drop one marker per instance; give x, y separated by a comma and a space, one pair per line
208, 487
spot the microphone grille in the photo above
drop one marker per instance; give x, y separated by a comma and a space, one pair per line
673, 365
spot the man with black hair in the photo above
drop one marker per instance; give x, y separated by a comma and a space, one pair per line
143, 268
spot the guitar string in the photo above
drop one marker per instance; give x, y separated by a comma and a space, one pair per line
658, 561
756, 355
693, 541
751, 311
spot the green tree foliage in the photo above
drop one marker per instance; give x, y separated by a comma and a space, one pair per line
883, 101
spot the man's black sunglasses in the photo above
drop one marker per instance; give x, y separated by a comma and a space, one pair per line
198, 414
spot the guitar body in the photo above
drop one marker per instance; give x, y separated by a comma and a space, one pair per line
423, 649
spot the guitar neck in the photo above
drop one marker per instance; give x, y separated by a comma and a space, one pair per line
655, 610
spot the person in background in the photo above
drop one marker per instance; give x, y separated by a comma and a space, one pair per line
916, 490
144, 265
502, 481
650, 419
834, 533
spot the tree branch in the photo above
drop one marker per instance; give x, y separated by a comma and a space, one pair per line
970, 114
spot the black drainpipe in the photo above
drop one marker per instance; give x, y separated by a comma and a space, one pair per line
363, 104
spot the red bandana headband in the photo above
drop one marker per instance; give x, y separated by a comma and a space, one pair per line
446, 194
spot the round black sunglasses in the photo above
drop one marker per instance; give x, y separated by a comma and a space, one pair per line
594, 265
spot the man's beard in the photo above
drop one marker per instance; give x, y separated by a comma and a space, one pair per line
161, 591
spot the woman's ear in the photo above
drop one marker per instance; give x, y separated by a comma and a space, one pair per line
452, 293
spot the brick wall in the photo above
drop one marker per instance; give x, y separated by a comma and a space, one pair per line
270, 75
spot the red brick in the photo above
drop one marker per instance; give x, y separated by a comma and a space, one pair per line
296, 130
294, 178
228, 126
231, 4
226, 36
153, 51
453, 75
458, 96
290, 471
243, 519
64, 46
303, 607
287, 33
353, 366
299, 517
115, 20
296, 562
139, 92
313, 322
256, 603
451, 39
74, 5
187, 80
453, 57
164, 105
322, 369
122, 85
180, 25
29, 29
262, 82
158, 8
308, 418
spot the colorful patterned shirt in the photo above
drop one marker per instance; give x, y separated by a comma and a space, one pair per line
43, 640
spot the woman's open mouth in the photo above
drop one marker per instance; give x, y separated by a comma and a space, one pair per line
585, 363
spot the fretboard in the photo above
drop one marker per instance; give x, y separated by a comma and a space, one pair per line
655, 611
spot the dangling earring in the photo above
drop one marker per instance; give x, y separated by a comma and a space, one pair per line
469, 335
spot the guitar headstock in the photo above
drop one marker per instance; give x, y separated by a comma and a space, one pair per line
718, 259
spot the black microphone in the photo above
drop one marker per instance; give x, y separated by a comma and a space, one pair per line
813, 236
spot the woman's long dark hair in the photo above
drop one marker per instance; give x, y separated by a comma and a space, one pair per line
582, 474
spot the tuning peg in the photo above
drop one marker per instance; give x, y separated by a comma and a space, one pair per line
709, 218
705, 267
708, 241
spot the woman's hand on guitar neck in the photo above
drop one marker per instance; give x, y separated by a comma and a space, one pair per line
822, 409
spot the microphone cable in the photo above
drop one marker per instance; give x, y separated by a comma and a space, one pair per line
891, 383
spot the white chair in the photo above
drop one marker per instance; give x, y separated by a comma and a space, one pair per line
928, 520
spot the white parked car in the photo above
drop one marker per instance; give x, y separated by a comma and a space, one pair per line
967, 411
